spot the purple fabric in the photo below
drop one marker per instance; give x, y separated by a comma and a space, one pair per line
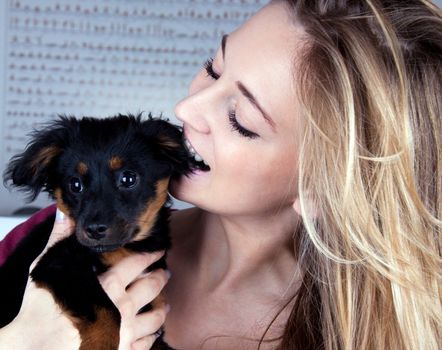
8, 244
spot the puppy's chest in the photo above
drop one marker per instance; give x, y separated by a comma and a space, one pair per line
69, 272
111, 258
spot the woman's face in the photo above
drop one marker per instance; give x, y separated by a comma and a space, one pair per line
241, 118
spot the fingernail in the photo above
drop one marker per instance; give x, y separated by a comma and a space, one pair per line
168, 274
167, 308
158, 254
59, 215
158, 333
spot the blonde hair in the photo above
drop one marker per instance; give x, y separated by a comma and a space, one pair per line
371, 164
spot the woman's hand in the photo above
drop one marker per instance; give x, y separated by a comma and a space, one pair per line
130, 289
41, 324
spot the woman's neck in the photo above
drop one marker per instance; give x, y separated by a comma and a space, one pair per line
237, 252
231, 276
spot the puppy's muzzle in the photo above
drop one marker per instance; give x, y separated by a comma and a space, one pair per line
96, 231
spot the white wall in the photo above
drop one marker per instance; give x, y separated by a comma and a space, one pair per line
8, 223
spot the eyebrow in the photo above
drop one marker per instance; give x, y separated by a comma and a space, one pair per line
254, 101
246, 92
223, 43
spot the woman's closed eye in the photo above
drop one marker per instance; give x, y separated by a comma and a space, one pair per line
208, 66
239, 128
236, 126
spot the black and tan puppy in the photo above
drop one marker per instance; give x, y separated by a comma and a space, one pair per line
110, 176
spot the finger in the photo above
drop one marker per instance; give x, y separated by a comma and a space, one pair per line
118, 277
63, 227
150, 322
147, 288
144, 343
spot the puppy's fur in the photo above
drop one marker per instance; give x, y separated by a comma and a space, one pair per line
110, 176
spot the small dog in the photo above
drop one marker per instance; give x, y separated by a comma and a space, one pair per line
110, 176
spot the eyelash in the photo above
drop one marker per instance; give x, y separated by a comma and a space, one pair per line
208, 66
239, 128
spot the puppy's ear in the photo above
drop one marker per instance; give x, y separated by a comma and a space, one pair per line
34, 170
167, 140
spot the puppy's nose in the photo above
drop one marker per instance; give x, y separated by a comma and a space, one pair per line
96, 231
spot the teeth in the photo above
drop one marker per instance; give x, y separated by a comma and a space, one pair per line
193, 153
198, 158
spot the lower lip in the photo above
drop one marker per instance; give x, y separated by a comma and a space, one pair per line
198, 173
194, 175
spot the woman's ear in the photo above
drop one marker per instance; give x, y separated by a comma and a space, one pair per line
309, 208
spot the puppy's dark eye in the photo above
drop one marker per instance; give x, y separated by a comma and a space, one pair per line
75, 185
128, 179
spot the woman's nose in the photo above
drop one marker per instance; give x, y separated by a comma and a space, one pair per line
195, 109
190, 112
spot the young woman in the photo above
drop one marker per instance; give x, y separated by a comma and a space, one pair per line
318, 225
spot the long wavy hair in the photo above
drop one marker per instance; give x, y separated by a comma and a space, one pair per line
370, 82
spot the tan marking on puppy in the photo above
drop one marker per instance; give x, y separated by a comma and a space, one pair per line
148, 217
166, 142
82, 168
44, 157
102, 334
60, 203
115, 163
159, 301
111, 258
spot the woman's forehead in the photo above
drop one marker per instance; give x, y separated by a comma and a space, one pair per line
261, 54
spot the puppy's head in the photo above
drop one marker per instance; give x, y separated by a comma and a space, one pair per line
109, 175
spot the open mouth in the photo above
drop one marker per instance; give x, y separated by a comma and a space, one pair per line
196, 161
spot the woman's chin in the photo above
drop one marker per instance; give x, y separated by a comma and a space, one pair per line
187, 187
174, 187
